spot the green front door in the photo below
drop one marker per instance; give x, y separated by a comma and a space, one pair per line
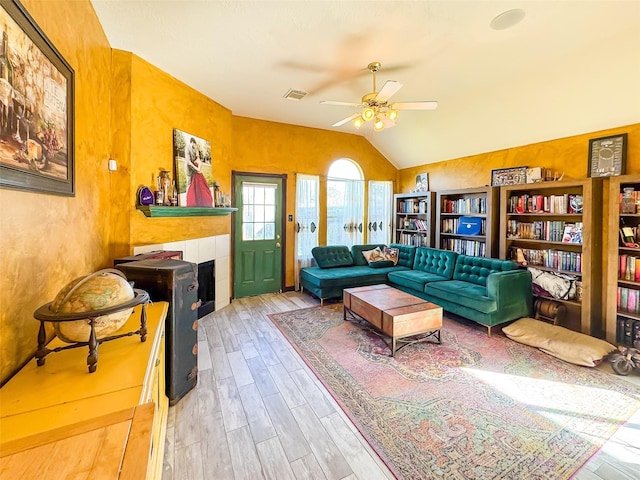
258, 235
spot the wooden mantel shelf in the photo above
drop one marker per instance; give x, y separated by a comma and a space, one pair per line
153, 211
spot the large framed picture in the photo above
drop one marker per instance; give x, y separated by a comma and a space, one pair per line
36, 108
193, 171
508, 176
607, 156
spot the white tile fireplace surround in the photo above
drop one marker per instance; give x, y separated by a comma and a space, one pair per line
199, 250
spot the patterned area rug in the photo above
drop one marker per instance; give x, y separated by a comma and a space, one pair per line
475, 407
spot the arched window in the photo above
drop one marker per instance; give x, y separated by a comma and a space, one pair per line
345, 203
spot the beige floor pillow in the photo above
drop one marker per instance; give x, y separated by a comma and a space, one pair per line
558, 341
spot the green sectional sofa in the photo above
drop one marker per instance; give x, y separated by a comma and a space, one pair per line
488, 291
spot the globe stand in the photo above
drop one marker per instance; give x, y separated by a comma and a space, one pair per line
44, 314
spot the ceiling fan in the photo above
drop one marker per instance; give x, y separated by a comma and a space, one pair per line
376, 106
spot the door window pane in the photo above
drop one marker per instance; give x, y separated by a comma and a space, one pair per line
259, 212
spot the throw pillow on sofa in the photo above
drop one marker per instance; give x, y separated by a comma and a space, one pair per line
381, 257
373, 255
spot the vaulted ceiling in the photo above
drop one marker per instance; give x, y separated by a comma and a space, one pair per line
568, 67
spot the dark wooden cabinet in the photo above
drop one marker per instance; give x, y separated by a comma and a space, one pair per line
413, 218
176, 282
480, 203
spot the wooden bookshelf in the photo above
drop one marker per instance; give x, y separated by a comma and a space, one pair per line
413, 218
536, 219
470, 202
616, 251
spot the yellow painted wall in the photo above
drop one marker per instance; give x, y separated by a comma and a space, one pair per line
160, 103
48, 240
268, 147
568, 155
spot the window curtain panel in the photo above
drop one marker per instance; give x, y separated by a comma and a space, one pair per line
307, 219
379, 212
345, 212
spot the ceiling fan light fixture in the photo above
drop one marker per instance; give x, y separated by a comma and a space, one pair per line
392, 115
378, 126
357, 122
368, 114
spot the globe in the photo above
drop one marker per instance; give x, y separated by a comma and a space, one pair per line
102, 289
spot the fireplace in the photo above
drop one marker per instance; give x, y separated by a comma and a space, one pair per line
206, 287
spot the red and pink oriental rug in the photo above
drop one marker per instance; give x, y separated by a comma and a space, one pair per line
475, 407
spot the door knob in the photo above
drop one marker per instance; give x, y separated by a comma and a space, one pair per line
278, 244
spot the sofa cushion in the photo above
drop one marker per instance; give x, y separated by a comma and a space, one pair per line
343, 277
406, 254
437, 262
414, 279
357, 252
331, 256
476, 269
463, 293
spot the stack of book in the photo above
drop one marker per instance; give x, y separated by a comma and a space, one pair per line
629, 268
556, 259
628, 300
526, 203
627, 330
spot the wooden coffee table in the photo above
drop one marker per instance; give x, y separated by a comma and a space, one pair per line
395, 313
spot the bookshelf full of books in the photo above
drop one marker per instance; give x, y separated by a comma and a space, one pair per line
467, 221
623, 261
413, 218
554, 230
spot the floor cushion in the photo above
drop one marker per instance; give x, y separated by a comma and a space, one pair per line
562, 343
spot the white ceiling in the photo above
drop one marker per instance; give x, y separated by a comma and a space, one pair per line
569, 67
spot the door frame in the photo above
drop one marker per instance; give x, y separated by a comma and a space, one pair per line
283, 226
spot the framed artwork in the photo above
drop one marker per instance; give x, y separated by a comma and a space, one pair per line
422, 182
193, 172
607, 156
36, 108
508, 176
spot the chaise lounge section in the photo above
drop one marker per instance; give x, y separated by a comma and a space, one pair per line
488, 291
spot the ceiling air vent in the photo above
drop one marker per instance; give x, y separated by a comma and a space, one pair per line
295, 94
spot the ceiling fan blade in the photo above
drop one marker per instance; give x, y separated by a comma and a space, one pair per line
414, 106
341, 104
389, 88
345, 120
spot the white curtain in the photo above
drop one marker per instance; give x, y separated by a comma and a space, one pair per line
379, 212
307, 218
345, 212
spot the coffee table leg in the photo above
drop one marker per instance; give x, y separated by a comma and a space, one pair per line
393, 346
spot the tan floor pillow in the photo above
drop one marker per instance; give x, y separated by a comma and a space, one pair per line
558, 341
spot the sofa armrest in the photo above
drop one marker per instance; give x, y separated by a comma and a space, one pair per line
510, 288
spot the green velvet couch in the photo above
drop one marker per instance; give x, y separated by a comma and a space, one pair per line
488, 291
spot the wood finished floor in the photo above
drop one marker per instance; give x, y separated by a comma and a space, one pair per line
259, 412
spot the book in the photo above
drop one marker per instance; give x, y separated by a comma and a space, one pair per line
632, 299
623, 267
624, 298
572, 233
627, 237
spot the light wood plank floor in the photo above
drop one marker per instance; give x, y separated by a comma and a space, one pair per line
259, 412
